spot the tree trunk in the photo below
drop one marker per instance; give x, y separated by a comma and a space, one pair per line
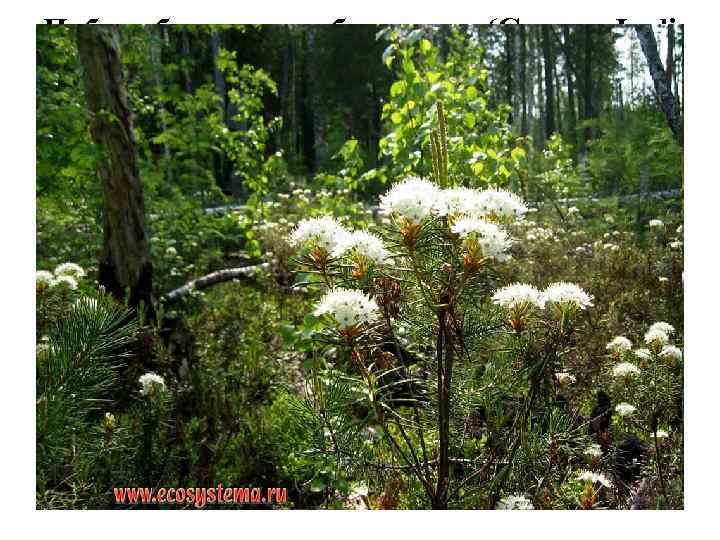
287, 96
558, 98
530, 82
156, 63
668, 102
223, 163
571, 114
539, 79
521, 53
549, 93
185, 47
588, 111
670, 58
306, 105
124, 266
509, 74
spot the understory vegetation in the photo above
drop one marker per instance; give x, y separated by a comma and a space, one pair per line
402, 287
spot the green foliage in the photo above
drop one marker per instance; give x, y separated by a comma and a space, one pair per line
635, 152
481, 146
65, 155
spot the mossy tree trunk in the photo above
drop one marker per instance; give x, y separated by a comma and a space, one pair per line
125, 269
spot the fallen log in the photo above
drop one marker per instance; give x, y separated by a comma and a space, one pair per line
245, 273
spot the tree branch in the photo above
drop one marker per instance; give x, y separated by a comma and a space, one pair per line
246, 273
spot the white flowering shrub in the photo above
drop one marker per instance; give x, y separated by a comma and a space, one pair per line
458, 369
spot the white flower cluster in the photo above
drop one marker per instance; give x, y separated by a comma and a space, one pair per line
514, 502
625, 409
658, 337
70, 269
150, 383
416, 199
66, 275
655, 335
348, 307
619, 344
662, 327
413, 199
493, 240
364, 243
43, 278
625, 369
456, 202
540, 233
518, 295
671, 351
65, 281
499, 203
324, 232
567, 293
594, 478
655, 224
593, 451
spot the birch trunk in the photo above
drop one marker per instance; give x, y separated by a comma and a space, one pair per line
668, 102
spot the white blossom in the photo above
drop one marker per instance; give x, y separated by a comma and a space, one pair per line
663, 327
348, 307
514, 502
70, 269
540, 233
498, 203
43, 278
655, 223
594, 451
413, 199
493, 240
661, 434
66, 281
589, 476
624, 369
656, 335
644, 354
677, 244
456, 201
625, 409
324, 232
364, 243
670, 351
567, 293
151, 382
518, 295
619, 344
